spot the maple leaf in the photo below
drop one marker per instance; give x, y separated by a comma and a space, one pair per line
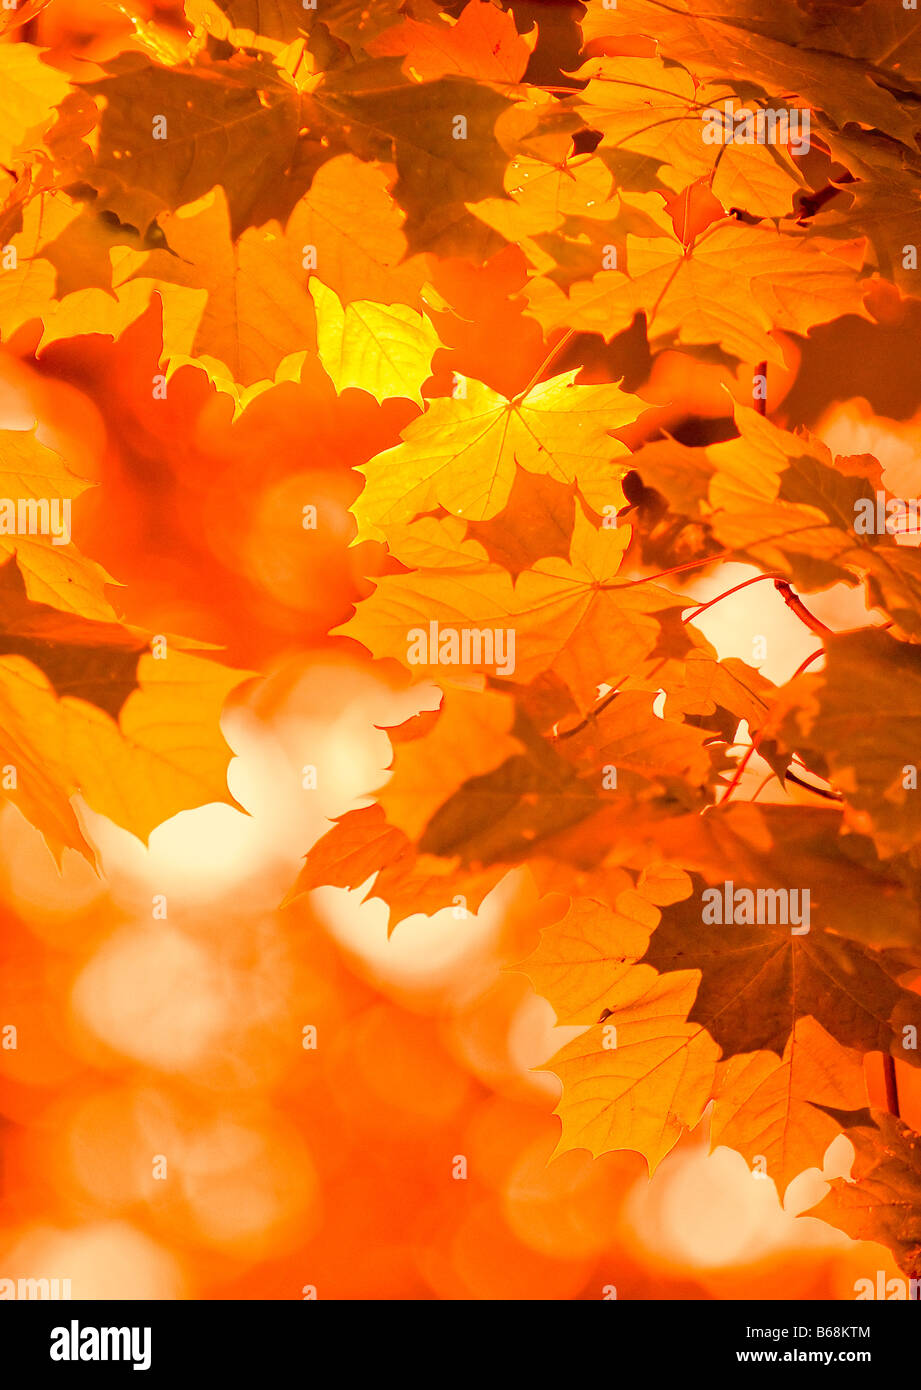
681, 474
515, 812
37, 491
754, 988
361, 845
776, 1111
860, 715
483, 43
642, 1082
541, 195
243, 23
537, 522
881, 1201
240, 309
584, 958
643, 106
414, 125
470, 735
168, 134
323, 212
868, 899
349, 219
384, 351
776, 47
40, 233
354, 22
783, 1109
556, 797
733, 287
784, 502
29, 90
707, 686
640, 104
568, 617
211, 119
566, 214
628, 735
464, 453
62, 680
95, 660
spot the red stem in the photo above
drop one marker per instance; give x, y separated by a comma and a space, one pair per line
761, 402
794, 602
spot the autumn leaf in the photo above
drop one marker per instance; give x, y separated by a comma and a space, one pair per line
732, 288
483, 43
782, 500
747, 998
464, 453
210, 117
776, 1111
868, 899
386, 351
441, 166
766, 46
879, 199
585, 958
572, 617
537, 522
50, 231
880, 1202
167, 134
31, 88
356, 230
38, 491
164, 753
646, 107
239, 308
641, 1077
470, 736
363, 846
95, 660
354, 22
859, 715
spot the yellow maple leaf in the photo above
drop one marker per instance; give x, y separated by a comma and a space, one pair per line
164, 754
463, 452
30, 89
471, 736
241, 310
349, 221
36, 494
571, 617
733, 287
385, 350
640, 1077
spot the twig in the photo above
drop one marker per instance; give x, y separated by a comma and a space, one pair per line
794, 602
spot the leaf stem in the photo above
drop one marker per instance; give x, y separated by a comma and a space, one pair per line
551, 357
808, 662
795, 603
702, 607
892, 1085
